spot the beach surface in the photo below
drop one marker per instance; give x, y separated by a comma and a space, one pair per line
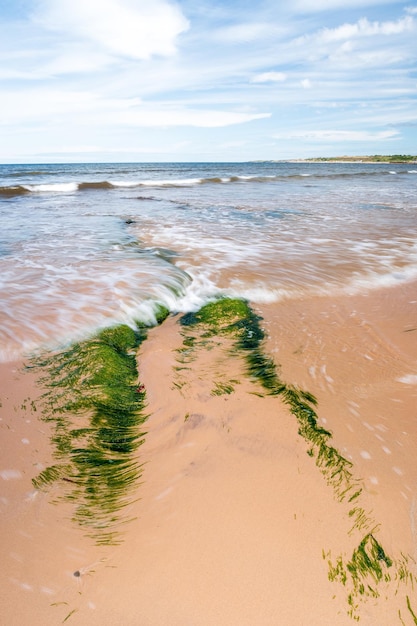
233, 521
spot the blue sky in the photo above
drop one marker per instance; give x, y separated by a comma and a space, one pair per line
206, 80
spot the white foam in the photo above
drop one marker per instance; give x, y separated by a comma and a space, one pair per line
55, 187
254, 177
32, 496
262, 295
180, 182
164, 493
22, 585
10, 474
200, 290
408, 379
47, 591
375, 280
125, 183
112, 294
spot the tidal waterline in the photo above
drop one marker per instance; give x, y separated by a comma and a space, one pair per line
86, 246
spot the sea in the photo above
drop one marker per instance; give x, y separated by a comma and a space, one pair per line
86, 246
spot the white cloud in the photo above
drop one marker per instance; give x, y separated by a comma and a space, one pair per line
73, 60
269, 77
306, 83
70, 149
51, 105
338, 135
137, 29
363, 44
187, 117
84, 108
365, 28
246, 32
313, 6
8, 73
43, 105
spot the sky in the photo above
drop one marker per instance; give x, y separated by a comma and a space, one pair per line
206, 80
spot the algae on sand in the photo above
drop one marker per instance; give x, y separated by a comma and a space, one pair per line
369, 564
235, 318
95, 402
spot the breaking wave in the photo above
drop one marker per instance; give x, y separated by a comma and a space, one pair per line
72, 187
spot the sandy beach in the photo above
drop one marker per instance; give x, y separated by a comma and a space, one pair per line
234, 522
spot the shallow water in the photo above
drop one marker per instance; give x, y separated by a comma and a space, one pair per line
86, 246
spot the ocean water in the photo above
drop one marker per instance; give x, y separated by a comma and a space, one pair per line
84, 246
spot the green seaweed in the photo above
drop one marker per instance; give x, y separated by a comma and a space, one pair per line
218, 315
221, 388
161, 313
262, 369
404, 574
413, 615
369, 563
96, 404
369, 559
50, 474
234, 318
367, 567
69, 615
362, 520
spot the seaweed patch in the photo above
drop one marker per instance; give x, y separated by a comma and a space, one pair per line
96, 404
369, 564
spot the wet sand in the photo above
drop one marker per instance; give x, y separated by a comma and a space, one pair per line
233, 516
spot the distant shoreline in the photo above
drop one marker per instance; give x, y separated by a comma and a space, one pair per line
377, 158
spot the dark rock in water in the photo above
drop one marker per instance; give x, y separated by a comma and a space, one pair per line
129, 221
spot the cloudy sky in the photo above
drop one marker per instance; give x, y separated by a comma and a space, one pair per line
206, 80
